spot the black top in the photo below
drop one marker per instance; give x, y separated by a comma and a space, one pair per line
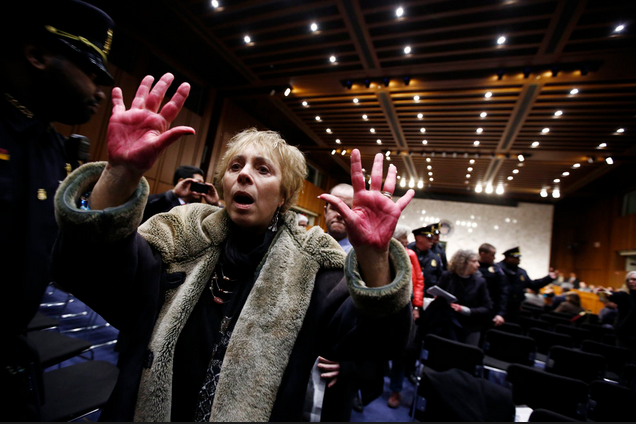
497, 288
471, 292
431, 265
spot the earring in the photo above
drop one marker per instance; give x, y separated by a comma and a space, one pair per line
273, 225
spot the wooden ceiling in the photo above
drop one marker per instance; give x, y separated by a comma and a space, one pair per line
441, 140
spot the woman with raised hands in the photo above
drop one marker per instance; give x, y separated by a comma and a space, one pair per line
225, 311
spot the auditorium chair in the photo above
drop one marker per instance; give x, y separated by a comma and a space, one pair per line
442, 354
510, 327
575, 364
611, 403
554, 320
54, 347
527, 323
578, 334
501, 349
598, 331
541, 415
615, 356
545, 339
540, 389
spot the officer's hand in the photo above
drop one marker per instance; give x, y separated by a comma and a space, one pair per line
498, 320
554, 274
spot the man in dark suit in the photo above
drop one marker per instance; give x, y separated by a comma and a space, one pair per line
54, 66
496, 282
437, 247
182, 192
518, 280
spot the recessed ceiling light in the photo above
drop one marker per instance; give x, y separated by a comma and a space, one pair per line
556, 180
343, 152
420, 115
467, 175
472, 161
407, 49
364, 117
416, 98
305, 104
535, 144
489, 189
576, 165
430, 173
379, 142
355, 100
372, 130
476, 143
483, 114
424, 142
318, 118
574, 91
338, 141
521, 158
333, 152
510, 178
602, 145
545, 130
328, 130
247, 39
429, 167
431, 179
428, 160
422, 130
609, 160
478, 188
488, 95
420, 184
470, 169
621, 130
500, 189
399, 12
619, 28
479, 130
215, 4
544, 193
515, 171
558, 113
314, 26
501, 40
556, 193
332, 59
565, 174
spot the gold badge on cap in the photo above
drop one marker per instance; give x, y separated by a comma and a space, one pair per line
433, 263
522, 278
42, 194
491, 269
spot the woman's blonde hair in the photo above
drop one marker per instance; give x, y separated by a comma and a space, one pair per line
291, 161
459, 261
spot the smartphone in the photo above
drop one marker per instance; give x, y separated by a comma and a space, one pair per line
201, 188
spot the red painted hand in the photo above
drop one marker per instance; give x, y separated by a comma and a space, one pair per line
137, 136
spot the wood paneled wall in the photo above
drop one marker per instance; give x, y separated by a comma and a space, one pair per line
587, 235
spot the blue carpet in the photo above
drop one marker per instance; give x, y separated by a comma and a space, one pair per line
379, 412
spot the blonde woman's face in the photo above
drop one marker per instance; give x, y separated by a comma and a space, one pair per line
252, 189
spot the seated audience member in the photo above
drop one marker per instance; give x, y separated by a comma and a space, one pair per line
584, 287
473, 302
229, 308
571, 304
608, 314
398, 365
181, 194
533, 297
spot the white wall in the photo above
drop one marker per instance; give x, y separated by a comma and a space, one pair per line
528, 226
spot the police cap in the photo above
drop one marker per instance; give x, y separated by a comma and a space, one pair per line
427, 230
513, 252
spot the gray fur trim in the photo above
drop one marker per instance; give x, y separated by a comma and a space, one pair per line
385, 300
108, 225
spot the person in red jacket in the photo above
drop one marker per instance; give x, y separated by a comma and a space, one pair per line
398, 366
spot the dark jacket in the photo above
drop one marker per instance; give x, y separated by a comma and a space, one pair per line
472, 293
431, 264
299, 307
518, 280
160, 203
497, 288
625, 324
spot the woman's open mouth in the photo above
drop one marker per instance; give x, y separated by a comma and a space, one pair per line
242, 199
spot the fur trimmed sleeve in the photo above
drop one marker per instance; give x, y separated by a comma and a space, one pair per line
108, 225
386, 300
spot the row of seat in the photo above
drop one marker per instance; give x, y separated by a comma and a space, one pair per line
558, 388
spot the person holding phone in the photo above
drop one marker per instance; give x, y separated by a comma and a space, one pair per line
189, 187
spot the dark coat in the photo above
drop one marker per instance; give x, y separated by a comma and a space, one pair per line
518, 280
160, 203
497, 287
431, 264
471, 292
131, 297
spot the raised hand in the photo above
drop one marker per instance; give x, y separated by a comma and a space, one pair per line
372, 219
137, 136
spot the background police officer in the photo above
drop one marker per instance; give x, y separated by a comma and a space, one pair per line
496, 282
430, 261
518, 280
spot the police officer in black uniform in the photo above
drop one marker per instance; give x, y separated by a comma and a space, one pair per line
430, 261
496, 282
518, 280
54, 54
437, 247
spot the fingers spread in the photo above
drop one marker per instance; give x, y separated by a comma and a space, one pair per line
405, 199
172, 135
158, 92
389, 182
142, 92
340, 206
376, 172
